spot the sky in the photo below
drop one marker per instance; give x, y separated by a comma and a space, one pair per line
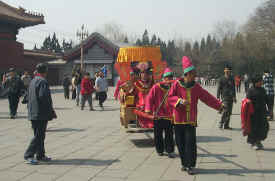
168, 19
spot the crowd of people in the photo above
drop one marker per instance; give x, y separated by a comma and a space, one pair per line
169, 106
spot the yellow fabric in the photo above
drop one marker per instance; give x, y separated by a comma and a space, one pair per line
129, 100
139, 54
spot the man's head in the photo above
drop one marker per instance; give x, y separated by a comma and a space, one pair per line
11, 72
257, 80
87, 75
227, 70
168, 75
42, 69
101, 74
190, 76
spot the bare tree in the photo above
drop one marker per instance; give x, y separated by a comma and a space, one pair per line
112, 31
225, 29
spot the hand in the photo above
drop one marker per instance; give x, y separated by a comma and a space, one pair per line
183, 102
221, 109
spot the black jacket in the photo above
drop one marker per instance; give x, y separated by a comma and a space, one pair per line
14, 86
40, 106
226, 88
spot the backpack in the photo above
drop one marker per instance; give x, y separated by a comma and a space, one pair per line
247, 110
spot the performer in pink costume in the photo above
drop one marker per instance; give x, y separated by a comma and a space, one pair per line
183, 97
156, 104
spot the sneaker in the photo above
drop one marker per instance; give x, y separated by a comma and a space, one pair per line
12, 117
227, 127
160, 154
190, 171
31, 161
92, 109
44, 159
183, 168
255, 147
171, 155
260, 145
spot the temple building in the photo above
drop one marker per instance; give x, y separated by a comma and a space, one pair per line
97, 52
12, 52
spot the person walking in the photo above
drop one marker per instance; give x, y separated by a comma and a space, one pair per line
15, 88
77, 83
87, 89
101, 86
40, 111
183, 97
259, 124
227, 93
156, 104
66, 86
26, 78
269, 88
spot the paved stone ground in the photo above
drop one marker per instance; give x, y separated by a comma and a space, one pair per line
88, 145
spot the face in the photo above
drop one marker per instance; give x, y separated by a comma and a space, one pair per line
166, 79
12, 74
190, 76
144, 76
227, 72
26, 73
259, 84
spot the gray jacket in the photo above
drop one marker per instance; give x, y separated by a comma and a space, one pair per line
40, 106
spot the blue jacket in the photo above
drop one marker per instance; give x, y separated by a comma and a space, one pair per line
40, 106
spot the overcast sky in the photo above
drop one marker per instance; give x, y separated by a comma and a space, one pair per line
189, 19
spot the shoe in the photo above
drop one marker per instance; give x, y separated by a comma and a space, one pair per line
31, 161
92, 109
260, 145
190, 171
255, 147
12, 117
221, 126
183, 168
160, 154
44, 159
227, 127
82, 109
171, 155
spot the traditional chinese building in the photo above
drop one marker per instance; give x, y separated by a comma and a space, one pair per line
12, 53
97, 52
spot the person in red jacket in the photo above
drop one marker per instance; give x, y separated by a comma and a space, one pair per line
87, 88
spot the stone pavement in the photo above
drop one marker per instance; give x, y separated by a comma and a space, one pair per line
88, 145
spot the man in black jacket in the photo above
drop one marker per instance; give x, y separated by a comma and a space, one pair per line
15, 88
40, 111
226, 91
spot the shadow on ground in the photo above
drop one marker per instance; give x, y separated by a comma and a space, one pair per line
202, 139
82, 162
143, 143
238, 172
65, 130
63, 108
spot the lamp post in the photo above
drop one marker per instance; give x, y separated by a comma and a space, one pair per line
82, 34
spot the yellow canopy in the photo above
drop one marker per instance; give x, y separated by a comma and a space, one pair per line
139, 54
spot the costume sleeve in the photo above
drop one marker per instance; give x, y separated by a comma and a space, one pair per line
149, 101
173, 99
117, 89
208, 99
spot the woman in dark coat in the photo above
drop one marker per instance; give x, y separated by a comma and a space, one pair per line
259, 123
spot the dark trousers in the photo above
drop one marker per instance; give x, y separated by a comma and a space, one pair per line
37, 143
67, 92
186, 144
13, 103
84, 98
270, 105
102, 96
160, 126
228, 106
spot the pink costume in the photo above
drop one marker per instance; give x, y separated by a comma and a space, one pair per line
154, 99
142, 91
188, 114
118, 84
